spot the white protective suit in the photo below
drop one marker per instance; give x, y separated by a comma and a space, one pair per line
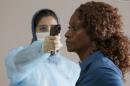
29, 66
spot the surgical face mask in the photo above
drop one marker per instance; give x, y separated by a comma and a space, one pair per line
41, 35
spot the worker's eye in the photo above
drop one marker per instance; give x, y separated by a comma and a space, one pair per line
43, 28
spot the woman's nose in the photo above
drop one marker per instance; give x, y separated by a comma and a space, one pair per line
67, 34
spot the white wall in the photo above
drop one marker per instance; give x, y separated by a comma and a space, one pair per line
15, 24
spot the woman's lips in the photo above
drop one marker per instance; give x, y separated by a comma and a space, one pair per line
68, 43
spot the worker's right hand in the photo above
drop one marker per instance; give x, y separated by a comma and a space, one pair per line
51, 43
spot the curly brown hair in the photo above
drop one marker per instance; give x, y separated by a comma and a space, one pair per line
103, 24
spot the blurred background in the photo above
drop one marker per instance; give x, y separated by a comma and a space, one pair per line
15, 24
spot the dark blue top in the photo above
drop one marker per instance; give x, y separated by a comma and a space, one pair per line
98, 70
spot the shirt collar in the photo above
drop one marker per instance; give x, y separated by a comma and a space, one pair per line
90, 58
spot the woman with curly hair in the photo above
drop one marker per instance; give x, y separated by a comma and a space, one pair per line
95, 34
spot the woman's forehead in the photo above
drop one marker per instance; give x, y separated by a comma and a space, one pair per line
74, 19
